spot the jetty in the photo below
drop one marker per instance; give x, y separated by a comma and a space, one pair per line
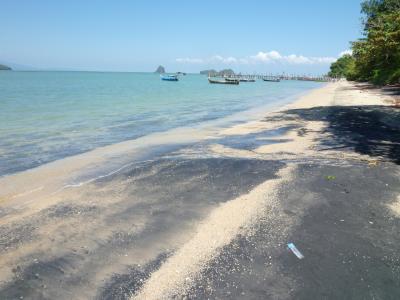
274, 78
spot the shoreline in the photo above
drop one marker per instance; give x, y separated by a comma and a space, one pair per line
200, 130
63, 172
211, 219
73, 124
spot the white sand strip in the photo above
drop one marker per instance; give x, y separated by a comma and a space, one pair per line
395, 207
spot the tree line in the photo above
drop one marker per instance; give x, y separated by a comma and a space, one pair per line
376, 56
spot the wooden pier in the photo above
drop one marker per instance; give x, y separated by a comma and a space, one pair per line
270, 77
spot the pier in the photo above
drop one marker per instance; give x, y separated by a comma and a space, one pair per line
277, 77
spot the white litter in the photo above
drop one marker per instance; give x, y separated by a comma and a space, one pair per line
295, 251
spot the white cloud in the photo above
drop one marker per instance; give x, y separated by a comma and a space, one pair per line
217, 58
266, 56
348, 51
190, 60
224, 60
221, 59
275, 56
261, 57
213, 59
323, 60
230, 60
298, 59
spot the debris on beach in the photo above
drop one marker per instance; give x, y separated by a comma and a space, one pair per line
373, 163
330, 177
295, 251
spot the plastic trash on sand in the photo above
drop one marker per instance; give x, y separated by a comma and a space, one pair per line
295, 251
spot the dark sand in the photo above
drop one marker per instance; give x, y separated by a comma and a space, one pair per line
350, 241
168, 196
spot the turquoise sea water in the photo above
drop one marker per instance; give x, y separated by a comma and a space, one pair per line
45, 116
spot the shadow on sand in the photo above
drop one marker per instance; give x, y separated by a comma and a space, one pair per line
390, 90
370, 130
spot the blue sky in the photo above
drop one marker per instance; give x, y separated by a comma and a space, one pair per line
248, 36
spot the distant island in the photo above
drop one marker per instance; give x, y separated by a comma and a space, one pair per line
5, 68
212, 72
207, 72
160, 70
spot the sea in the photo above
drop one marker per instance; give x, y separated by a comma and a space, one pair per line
48, 116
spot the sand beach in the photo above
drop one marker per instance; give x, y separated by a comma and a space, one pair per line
208, 213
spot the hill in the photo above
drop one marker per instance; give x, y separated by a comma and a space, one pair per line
160, 70
5, 68
212, 72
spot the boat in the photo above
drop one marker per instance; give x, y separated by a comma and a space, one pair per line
169, 77
240, 79
272, 80
224, 81
231, 79
247, 80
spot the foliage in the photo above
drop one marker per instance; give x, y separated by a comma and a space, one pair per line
343, 67
376, 57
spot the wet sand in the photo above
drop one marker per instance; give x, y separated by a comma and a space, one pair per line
208, 214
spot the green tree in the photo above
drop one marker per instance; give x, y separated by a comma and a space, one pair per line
376, 56
343, 67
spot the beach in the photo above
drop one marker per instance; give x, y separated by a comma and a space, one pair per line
207, 212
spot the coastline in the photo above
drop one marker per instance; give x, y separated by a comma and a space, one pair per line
99, 114
198, 220
74, 171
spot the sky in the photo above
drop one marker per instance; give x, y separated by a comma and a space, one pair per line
292, 36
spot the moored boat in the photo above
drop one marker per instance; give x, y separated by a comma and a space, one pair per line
169, 77
247, 80
231, 79
272, 80
224, 81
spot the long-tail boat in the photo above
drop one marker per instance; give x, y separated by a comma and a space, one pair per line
223, 81
272, 80
169, 77
247, 80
